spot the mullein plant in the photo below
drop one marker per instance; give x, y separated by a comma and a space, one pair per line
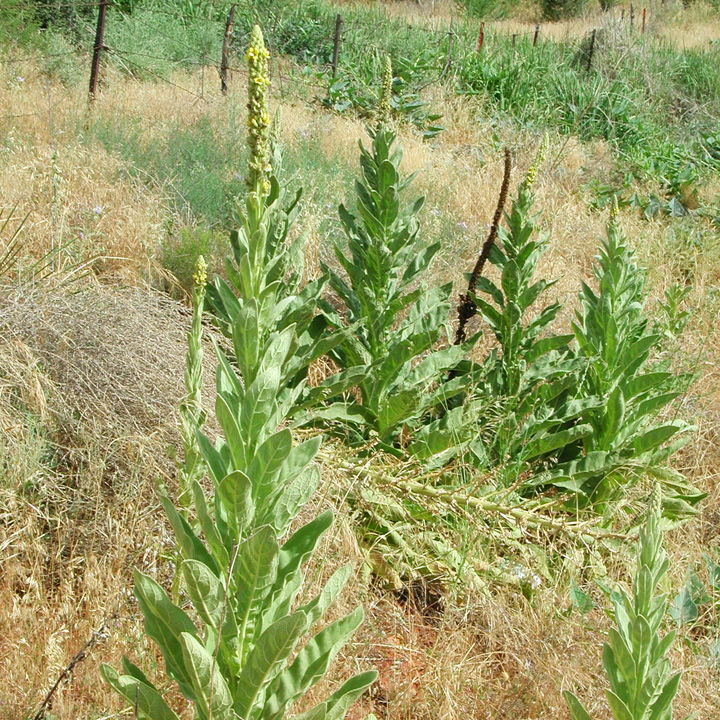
396, 321
192, 413
238, 652
642, 686
628, 439
264, 294
531, 374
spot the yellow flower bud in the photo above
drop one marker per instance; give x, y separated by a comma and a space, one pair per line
200, 275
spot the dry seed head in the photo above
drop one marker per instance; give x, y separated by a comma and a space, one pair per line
258, 121
385, 93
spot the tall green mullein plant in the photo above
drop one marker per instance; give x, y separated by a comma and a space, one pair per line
530, 375
642, 686
395, 319
192, 413
264, 293
238, 654
628, 438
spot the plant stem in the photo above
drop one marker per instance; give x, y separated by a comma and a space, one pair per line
467, 307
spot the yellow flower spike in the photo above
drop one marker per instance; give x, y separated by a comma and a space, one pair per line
258, 117
385, 93
200, 275
614, 209
536, 164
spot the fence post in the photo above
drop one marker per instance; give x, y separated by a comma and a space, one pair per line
591, 49
336, 44
535, 37
226, 51
97, 49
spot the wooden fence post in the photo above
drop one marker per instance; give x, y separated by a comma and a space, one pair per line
591, 49
535, 37
97, 49
336, 44
226, 51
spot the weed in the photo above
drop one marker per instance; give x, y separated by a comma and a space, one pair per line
394, 321
634, 657
242, 580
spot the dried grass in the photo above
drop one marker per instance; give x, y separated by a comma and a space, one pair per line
89, 383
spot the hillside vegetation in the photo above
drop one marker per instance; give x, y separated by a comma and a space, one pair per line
384, 390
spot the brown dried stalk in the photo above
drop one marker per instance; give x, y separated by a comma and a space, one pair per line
64, 676
467, 306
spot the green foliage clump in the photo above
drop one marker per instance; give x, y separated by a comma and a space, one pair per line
396, 321
560, 9
613, 337
531, 373
635, 655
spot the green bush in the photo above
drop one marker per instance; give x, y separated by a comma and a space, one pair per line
395, 321
561, 9
180, 250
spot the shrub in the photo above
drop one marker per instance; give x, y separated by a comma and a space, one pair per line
560, 9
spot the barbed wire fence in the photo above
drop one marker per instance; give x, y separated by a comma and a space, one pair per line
341, 34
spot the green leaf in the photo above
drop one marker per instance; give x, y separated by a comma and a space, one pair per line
657, 436
577, 711
257, 408
661, 707
580, 600
335, 707
209, 528
212, 693
190, 544
134, 671
316, 608
246, 339
310, 664
164, 623
619, 708
713, 570
206, 591
554, 441
265, 660
149, 702
683, 609
235, 493
254, 573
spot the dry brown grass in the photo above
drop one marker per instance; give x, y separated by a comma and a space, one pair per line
89, 383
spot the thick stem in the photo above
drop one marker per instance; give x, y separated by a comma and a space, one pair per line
467, 307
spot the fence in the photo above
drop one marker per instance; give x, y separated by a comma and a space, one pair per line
338, 36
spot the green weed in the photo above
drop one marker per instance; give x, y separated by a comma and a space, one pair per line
634, 657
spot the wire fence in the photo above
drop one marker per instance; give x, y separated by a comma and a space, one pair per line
450, 46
